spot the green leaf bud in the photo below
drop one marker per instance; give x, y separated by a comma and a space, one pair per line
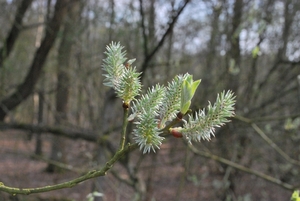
188, 90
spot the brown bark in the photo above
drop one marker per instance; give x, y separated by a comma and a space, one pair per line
25, 89
63, 81
14, 32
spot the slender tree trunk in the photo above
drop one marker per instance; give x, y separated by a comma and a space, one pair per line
212, 45
63, 79
40, 95
38, 142
234, 41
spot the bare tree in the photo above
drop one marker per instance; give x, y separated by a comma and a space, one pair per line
26, 87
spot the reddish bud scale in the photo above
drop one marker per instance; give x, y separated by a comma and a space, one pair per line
125, 105
179, 115
176, 134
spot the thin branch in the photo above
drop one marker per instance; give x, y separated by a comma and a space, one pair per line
89, 175
274, 145
267, 139
162, 40
124, 128
242, 168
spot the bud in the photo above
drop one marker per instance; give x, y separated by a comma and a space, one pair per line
176, 132
187, 92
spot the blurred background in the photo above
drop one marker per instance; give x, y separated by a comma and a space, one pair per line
57, 120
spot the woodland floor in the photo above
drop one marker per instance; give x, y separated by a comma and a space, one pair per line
19, 169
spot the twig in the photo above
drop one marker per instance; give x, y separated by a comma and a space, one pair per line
274, 145
91, 174
266, 138
124, 128
242, 168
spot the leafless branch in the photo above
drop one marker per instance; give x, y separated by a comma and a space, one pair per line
162, 40
242, 168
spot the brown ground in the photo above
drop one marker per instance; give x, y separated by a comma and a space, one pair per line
18, 169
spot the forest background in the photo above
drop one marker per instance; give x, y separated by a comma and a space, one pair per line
55, 110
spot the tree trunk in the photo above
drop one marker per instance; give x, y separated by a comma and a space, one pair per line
234, 57
63, 80
212, 46
38, 142
25, 89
